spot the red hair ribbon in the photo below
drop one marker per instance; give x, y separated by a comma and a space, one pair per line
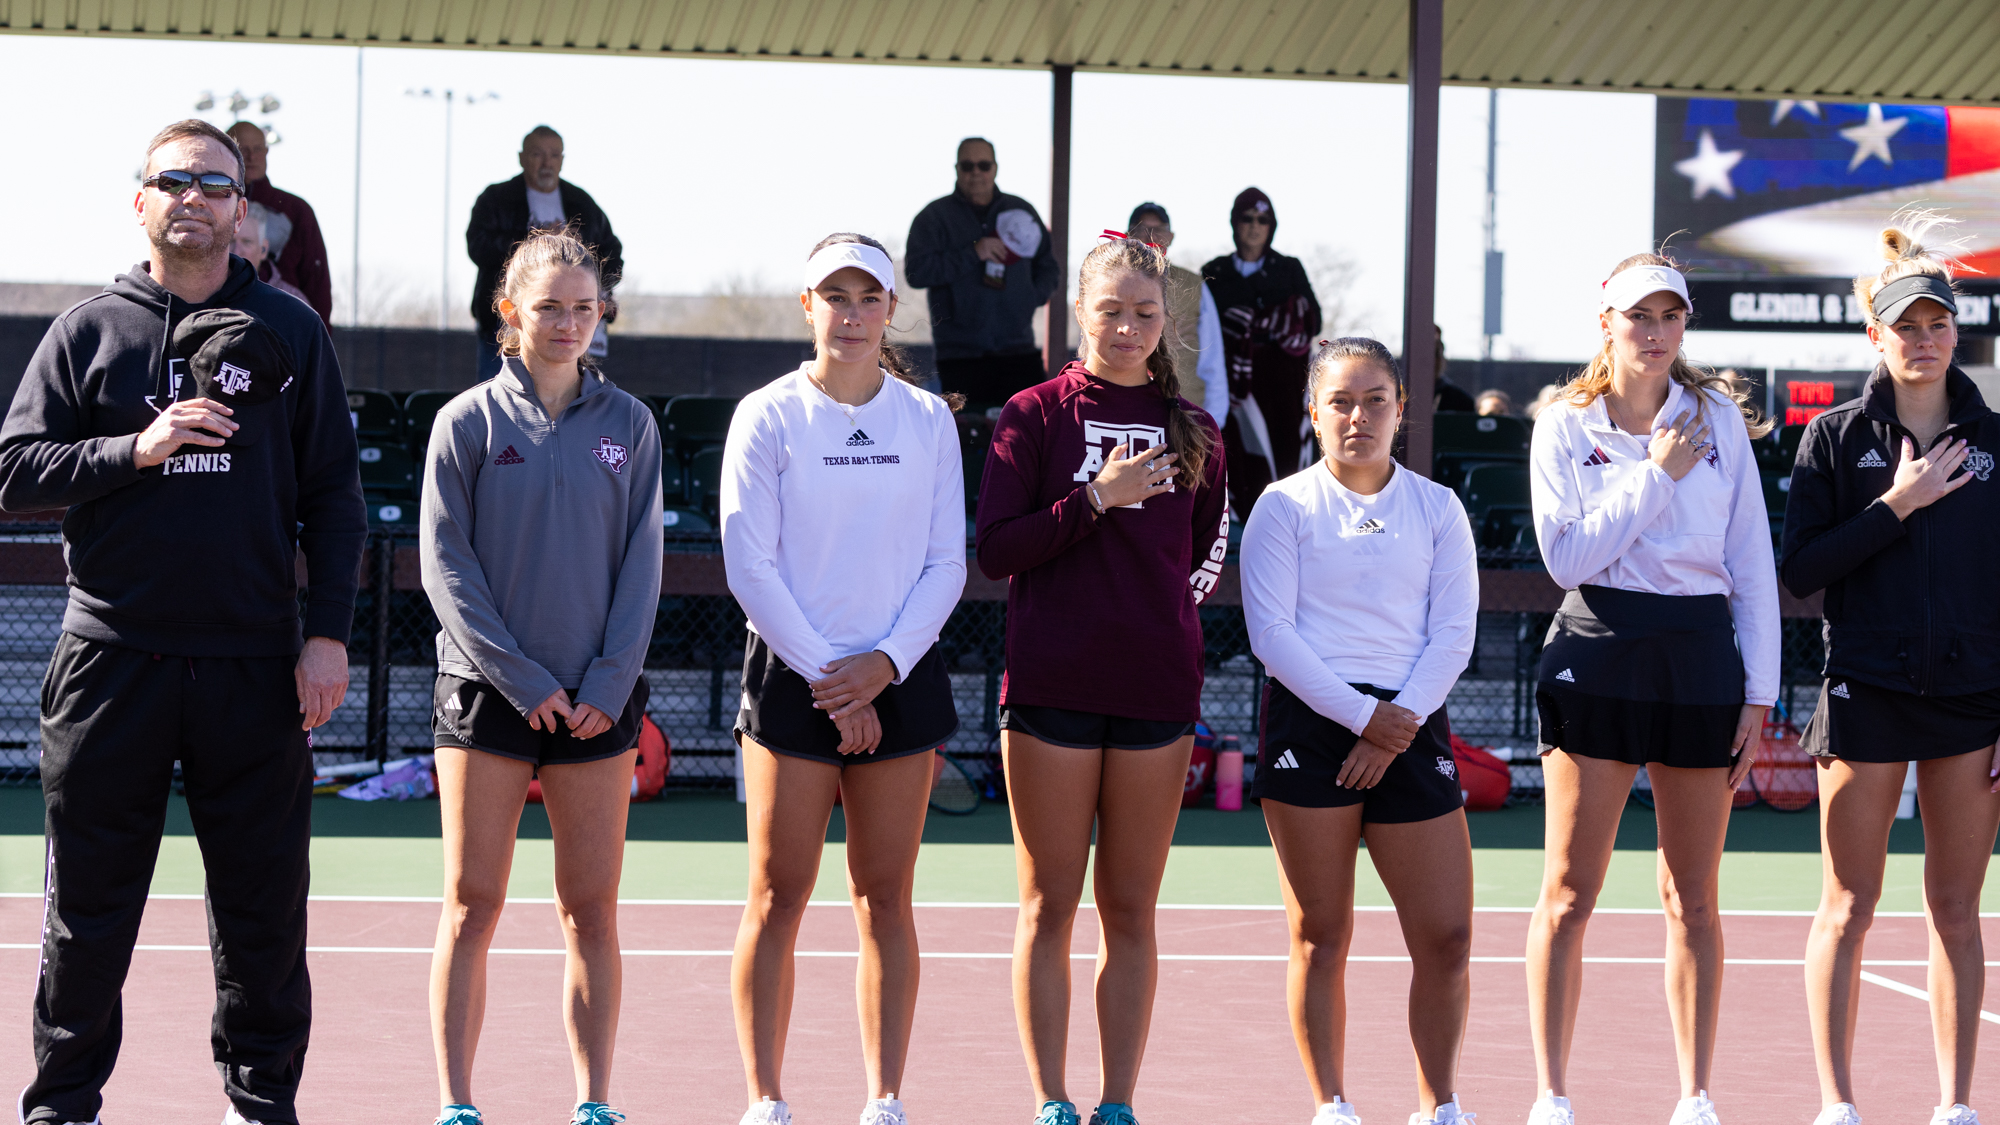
1122, 236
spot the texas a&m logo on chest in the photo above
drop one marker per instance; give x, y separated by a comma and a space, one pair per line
611, 453
1100, 438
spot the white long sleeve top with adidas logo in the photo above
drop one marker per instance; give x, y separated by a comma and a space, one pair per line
1341, 588
841, 533
1605, 515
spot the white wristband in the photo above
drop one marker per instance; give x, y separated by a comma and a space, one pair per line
1096, 500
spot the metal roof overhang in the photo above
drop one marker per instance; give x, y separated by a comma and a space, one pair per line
1926, 51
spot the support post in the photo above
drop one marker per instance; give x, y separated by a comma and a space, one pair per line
1055, 346
378, 659
1420, 231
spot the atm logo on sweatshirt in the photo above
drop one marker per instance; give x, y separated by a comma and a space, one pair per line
611, 453
1101, 439
195, 463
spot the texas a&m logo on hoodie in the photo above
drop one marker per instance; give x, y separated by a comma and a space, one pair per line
611, 453
1101, 438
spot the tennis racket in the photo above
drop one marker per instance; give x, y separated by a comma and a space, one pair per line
953, 792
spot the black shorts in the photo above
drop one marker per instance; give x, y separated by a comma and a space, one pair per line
1300, 752
777, 712
476, 716
1859, 722
1087, 730
1633, 677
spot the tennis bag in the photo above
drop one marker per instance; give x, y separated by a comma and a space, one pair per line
1482, 778
649, 774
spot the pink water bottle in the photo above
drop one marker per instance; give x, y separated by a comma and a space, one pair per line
1229, 774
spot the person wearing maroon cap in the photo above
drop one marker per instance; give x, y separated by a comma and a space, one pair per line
1269, 320
297, 251
1103, 503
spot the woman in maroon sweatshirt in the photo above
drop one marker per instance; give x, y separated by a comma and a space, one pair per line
1104, 502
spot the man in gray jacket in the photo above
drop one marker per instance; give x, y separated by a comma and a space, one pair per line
987, 263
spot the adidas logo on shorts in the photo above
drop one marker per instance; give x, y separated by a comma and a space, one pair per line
1285, 762
1839, 691
1565, 676
1871, 460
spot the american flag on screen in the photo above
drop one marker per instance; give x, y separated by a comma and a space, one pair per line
1801, 188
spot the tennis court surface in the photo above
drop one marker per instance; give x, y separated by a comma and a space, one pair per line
1220, 1047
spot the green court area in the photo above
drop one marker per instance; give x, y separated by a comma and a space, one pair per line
691, 846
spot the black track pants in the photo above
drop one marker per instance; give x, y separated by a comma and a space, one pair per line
114, 720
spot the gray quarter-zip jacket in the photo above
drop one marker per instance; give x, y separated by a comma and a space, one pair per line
541, 540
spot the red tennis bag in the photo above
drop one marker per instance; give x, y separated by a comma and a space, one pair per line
1482, 778
649, 774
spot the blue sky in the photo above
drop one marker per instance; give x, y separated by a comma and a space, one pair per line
714, 170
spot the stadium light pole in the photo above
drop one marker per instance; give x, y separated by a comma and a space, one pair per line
1426, 72
1495, 260
444, 241
1055, 342
354, 316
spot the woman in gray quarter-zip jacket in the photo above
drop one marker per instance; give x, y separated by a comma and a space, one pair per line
541, 556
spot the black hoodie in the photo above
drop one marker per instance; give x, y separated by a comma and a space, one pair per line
195, 557
1911, 605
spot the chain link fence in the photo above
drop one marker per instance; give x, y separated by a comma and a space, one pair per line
695, 662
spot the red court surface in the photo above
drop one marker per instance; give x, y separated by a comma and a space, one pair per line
1220, 1048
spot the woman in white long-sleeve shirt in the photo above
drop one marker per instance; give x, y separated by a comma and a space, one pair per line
1361, 593
1664, 655
843, 537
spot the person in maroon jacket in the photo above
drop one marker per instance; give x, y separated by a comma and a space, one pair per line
1104, 502
298, 252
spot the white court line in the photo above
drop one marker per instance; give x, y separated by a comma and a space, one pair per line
1223, 906
1907, 990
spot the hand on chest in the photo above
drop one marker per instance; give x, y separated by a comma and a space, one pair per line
1701, 499
1101, 442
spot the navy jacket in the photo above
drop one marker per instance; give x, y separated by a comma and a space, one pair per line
969, 318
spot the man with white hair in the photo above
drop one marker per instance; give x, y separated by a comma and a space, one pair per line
297, 250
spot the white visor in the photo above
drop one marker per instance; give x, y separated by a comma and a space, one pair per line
1628, 287
858, 255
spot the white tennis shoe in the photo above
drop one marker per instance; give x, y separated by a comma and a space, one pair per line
767, 1112
1697, 1110
1958, 1113
235, 1118
1552, 1110
1839, 1113
1447, 1114
883, 1111
1337, 1112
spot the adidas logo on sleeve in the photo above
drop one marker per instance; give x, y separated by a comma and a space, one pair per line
1565, 676
1839, 691
1286, 761
1871, 460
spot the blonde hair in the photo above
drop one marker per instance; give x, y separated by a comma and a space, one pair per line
1903, 246
541, 251
1194, 442
1595, 378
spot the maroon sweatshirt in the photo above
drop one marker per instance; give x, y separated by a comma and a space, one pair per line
1100, 612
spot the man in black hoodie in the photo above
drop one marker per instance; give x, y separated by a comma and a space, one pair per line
183, 640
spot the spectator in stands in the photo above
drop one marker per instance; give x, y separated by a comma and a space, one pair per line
988, 264
1194, 328
297, 252
1543, 397
1493, 401
537, 199
192, 479
541, 555
1269, 320
254, 246
1449, 395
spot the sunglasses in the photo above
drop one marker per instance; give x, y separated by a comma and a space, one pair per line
1261, 219
975, 165
214, 185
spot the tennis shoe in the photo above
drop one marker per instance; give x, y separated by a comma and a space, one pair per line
1958, 1113
767, 1112
1337, 1112
1697, 1110
460, 1114
1839, 1113
1447, 1114
1552, 1110
1113, 1113
883, 1111
235, 1118
1056, 1113
595, 1113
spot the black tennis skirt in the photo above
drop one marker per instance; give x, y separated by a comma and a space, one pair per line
1636, 677
778, 713
1858, 722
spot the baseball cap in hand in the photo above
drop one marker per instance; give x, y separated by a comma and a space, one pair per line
236, 360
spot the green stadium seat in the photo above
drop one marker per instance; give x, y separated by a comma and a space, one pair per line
975, 437
705, 482
689, 422
388, 471
673, 481
419, 411
391, 513
1498, 503
1461, 442
375, 415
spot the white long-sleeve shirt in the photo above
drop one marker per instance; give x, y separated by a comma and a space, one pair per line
1210, 363
1341, 588
842, 536
1605, 515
